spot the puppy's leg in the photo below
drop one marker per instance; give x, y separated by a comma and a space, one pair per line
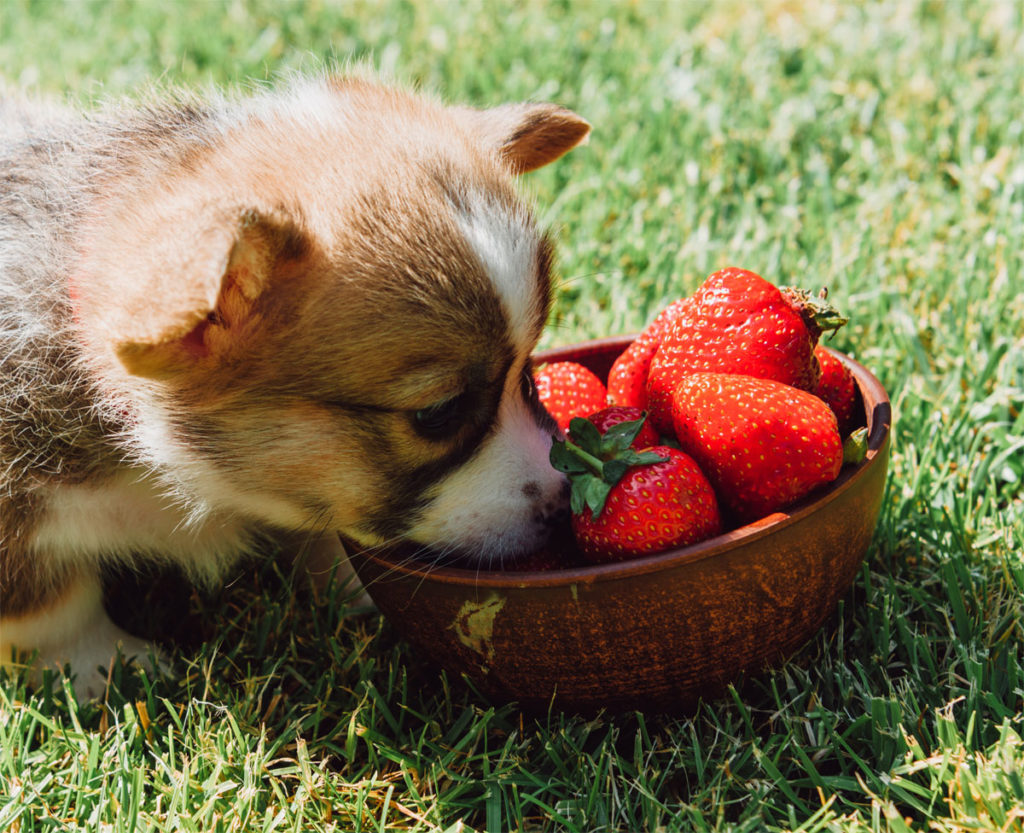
71, 627
323, 556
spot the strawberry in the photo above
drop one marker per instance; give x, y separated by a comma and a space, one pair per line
627, 503
627, 380
737, 322
615, 415
837, 388
763, 444
568, 390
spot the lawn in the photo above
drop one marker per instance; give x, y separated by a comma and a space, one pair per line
874, 148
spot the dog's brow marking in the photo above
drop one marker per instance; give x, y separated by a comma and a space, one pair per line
506, 244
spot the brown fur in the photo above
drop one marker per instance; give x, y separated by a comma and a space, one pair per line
238, 308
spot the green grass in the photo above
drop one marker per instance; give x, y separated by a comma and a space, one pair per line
873, 148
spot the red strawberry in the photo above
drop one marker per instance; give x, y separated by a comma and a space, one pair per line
616, 415
568, 390
837, 388
737, 322
763, 444
627, 503
627, 380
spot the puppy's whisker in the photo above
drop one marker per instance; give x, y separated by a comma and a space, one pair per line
569, 280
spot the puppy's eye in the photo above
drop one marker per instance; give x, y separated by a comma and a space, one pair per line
527, 386
440, 420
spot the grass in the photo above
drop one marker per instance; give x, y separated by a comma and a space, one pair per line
875, 148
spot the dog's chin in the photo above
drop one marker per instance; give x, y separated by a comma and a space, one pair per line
485, 551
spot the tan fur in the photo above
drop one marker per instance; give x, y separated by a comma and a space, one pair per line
223, 317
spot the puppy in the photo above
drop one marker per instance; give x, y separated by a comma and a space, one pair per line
308, 310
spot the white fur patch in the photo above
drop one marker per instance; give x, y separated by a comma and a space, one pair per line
133, 514
506, 244
309, 102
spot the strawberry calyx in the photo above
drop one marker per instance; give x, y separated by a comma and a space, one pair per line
819, 316
594, 462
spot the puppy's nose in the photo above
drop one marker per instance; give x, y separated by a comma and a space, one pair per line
532, 490
556, 510
553, 497
558, 518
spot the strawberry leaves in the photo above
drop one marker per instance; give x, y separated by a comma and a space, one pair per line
818, 314
595, 462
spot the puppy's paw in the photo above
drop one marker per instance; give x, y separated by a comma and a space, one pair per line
91, 657
74, 631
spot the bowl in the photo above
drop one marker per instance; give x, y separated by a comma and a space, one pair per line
660, 632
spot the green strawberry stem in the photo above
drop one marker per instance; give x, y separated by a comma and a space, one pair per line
593, 464
818, 314
597, 462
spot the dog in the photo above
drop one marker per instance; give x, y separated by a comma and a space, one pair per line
306, 310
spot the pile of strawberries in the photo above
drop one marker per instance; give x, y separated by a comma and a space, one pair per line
722, 411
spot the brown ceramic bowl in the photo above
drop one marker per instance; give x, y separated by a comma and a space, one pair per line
658, 632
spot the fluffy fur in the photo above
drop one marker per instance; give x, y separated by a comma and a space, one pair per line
311, 309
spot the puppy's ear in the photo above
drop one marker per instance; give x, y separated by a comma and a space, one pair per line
529, 136
208, 302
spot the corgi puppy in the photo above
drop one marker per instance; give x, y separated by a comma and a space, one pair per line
310, 310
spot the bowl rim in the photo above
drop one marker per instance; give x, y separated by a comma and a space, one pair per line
879, 420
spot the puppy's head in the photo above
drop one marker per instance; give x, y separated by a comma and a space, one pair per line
324, 317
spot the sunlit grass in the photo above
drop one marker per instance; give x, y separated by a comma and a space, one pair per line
872, 148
